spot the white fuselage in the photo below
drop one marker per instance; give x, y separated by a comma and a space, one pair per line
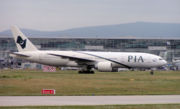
102, 61
131, 59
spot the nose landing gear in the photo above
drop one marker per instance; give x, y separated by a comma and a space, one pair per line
152, 72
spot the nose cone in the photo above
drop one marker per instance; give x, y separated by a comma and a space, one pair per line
164, 62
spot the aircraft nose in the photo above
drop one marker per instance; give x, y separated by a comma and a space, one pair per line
164, 62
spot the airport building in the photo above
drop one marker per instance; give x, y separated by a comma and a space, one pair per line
169, 49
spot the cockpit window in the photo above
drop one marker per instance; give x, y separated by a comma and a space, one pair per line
160, 59
154, 60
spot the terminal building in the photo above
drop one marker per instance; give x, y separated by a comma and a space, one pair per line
169, 49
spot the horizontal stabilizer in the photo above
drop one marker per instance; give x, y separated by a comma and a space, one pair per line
18, 54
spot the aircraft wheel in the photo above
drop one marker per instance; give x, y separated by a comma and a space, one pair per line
80, 72
152, 72
86, 72
91, 72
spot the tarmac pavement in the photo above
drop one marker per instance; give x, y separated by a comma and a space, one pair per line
87, 100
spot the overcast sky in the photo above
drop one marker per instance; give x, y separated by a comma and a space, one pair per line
65, 14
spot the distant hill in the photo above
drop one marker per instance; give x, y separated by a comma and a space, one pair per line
32, 33
136, 30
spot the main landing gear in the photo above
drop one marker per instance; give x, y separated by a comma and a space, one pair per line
86, 70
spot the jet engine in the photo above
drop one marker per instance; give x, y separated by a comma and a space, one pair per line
104, 66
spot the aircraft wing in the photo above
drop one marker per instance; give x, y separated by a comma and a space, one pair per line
80, 61
83, 61
111, 60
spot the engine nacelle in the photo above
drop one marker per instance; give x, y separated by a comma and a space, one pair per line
104, 66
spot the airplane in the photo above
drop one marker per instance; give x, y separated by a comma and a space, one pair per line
86, 60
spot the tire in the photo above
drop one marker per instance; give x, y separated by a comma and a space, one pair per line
86, 72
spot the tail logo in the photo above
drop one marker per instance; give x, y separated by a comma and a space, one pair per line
21, 42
